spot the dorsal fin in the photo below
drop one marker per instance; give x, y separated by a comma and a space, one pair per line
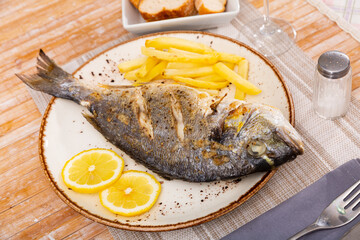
214, 105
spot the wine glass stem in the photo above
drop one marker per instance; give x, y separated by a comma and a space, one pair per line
266, 15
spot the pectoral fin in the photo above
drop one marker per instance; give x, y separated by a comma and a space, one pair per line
91, 120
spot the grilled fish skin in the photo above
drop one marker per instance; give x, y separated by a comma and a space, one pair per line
177, 131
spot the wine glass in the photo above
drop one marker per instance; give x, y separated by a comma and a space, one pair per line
272, 36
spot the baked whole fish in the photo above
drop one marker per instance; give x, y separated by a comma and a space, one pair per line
178, 131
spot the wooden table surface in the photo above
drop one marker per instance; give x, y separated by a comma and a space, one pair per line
66, 29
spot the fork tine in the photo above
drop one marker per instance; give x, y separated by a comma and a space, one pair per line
355, 204
347, 202
340, 199
347, 192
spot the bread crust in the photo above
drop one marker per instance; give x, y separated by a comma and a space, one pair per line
135, 3
200, 6
186, 9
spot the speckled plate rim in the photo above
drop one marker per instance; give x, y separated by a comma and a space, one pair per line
243, 198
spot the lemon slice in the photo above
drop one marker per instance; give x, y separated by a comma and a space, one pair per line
133, 194
92, 170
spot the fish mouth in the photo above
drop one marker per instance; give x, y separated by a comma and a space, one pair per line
292, 139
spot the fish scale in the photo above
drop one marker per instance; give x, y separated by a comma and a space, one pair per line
178, 131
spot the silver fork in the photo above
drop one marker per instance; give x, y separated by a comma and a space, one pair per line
337, 214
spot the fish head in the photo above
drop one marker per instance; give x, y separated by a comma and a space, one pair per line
265, 138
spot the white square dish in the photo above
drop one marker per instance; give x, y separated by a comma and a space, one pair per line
133, 21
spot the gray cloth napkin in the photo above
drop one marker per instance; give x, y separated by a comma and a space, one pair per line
301, 210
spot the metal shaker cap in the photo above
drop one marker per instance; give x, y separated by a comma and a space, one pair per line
333, 64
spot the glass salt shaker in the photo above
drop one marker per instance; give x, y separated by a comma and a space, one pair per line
332, 85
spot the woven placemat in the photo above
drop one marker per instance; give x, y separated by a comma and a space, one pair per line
328, 144
347, 15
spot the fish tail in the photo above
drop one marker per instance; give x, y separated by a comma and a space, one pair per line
52, 79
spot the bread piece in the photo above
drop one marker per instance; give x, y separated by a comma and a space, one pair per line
153, 10
135, 3
210, 6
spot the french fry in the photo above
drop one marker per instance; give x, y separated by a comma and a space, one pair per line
228, 57
243, 85
189, 72
230, 65
243, 68
131, 75
239, 94
154, 72
191, 63
211, 78
175, 50
200, 84
172, 42
146, 67
131, 65
181, 65
212, 92
159, 77
176, 57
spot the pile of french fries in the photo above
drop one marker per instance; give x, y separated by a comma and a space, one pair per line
190, 63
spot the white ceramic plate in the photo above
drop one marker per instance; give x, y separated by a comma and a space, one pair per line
133, 21
65, 132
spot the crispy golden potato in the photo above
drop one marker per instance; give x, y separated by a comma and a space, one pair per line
131, 65
154, 72
191, 63
228, 57
175, 50
211, 78
244, 85
240, 95
212, 92
147, 66
177, 57
189, 72
229, 65
172, 42
200, 84
181, 65
131, 75
243, 68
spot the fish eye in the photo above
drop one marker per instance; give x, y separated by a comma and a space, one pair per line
256, 148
